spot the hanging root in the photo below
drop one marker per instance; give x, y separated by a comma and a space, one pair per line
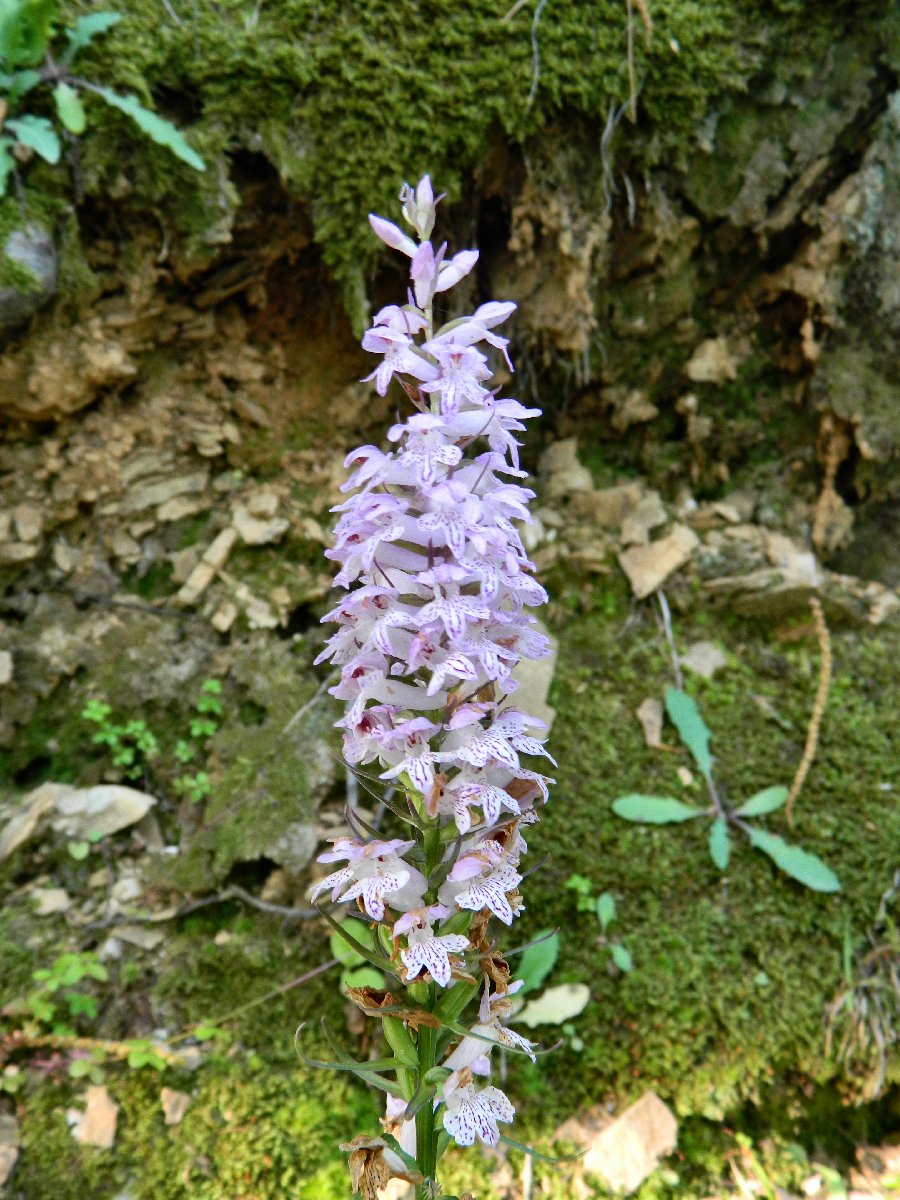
815, 720
834, 446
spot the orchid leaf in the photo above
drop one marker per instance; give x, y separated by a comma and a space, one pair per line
407, 1159
685, 716
769, 800
718, 843
365, 952
806, 868
654, 810
347, 955
548, 1158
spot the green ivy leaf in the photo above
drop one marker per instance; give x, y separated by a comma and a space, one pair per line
606, 910
86, 29
69, 108
768, 800
621, 957
718, 843
685, 716
654, 810
806, 868
18, 84
538, 960
38, 134
556, 1005
156, 128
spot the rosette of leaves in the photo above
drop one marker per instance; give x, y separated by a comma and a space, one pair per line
800, 864
34, 58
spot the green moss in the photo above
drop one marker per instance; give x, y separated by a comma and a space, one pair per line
346, 101
249, 1132
732, 971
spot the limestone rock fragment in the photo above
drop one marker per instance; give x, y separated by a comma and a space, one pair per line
96, 1126
648, 567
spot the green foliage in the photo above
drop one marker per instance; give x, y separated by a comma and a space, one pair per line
54, 1003
604, 909
27, 37
538, 959
806, 868
134, 746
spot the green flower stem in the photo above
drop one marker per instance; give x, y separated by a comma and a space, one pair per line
426, 1141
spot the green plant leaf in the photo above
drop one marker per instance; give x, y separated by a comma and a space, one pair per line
86, 29
69, 108
556, 1005
26, 27
38, 134
768, 800
361, 977
718, 843
538, 959
7, 164
806, 868
654, 810
341, 949
621, 957
79, 850
156, 128
18, 84
606, 910
685, 716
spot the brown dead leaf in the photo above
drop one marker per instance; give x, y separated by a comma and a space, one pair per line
377, 1003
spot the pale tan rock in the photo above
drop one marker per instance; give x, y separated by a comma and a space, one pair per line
174, 1105
17, 552
103, 809
141, 936
647, 567
64, 557
634, 408
5, 526
712, 362
157, 492
703, 659
9, 1146
885, 605
629, 1150
97, 1124
609, 506
262, 504
50, 901
224, 616
33, 808
563, 473
534, 677
255, 532
183, 562
648, 514
182, 506
213, 559
650, 714
29, 522
6, 667
125, 547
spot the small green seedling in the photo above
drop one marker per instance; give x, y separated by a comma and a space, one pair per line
806, 868
604, 909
